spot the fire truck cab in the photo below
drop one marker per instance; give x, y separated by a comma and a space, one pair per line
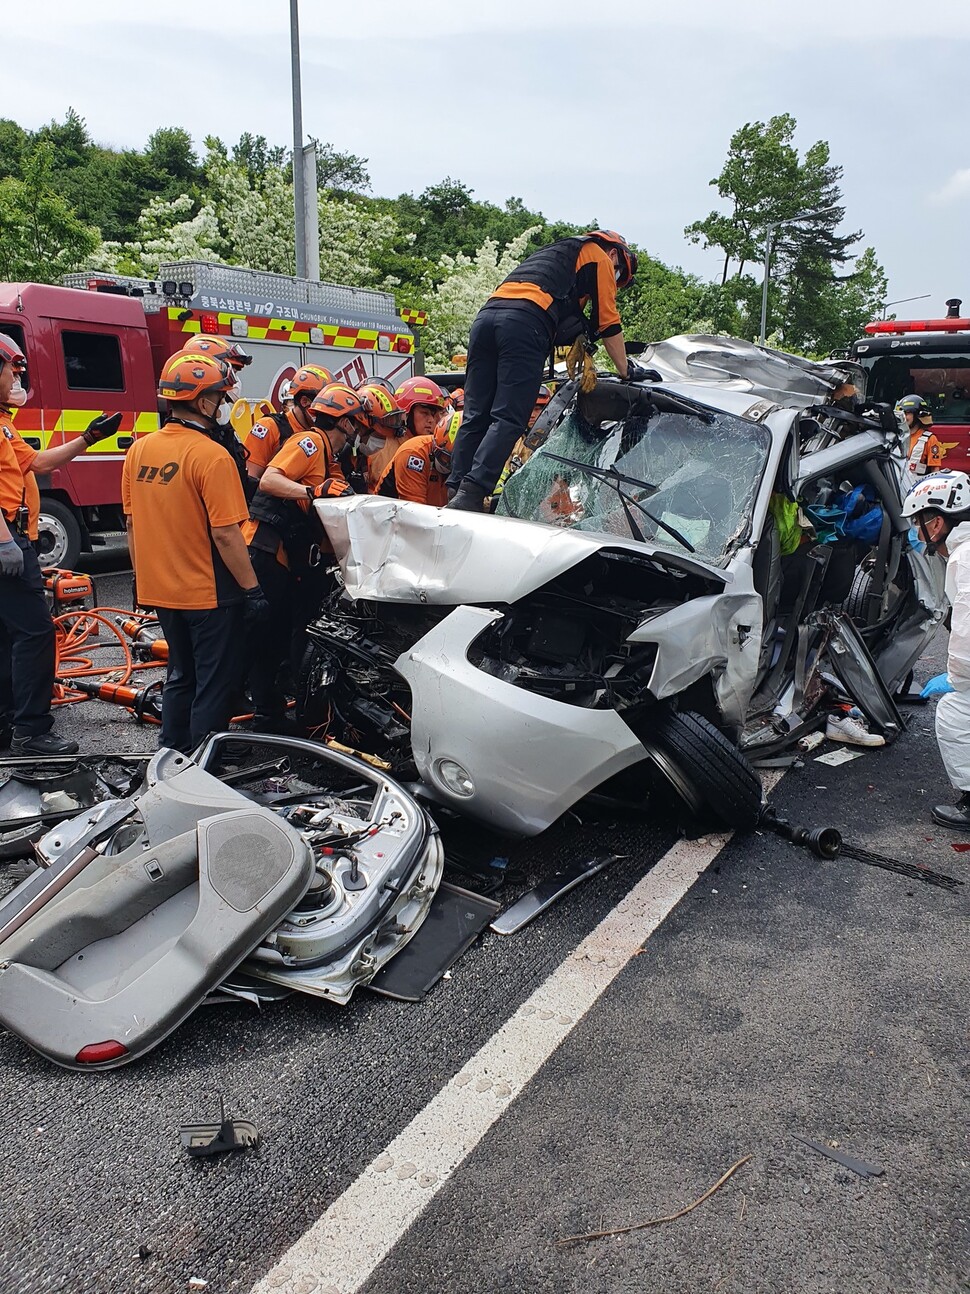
98, 344
927, 357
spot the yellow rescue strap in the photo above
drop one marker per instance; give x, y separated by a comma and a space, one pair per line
579, 360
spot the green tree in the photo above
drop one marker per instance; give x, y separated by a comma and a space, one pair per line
41, 237
14, 143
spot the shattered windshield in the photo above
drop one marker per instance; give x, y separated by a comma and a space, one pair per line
697, 474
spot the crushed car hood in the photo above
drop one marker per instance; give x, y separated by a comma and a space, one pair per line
730, 364
390, 551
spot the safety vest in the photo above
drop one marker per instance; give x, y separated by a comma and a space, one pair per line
553, 270
916, 466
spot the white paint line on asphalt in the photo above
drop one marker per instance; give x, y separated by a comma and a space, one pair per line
342, 1248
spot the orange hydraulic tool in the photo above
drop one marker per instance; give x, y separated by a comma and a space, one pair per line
147, 646
145, 703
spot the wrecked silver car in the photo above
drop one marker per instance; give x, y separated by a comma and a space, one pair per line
685, 572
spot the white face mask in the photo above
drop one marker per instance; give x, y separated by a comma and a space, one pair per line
371, 445
222, 414
18, 396
616, 273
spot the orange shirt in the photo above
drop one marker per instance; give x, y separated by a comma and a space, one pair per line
177, 485
263, 442
931, 458
412, 475
25, 457
378, 463
306, 459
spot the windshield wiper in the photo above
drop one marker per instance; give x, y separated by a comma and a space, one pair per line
611, 477
681, 402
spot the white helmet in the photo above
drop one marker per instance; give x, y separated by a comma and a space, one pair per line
947, 492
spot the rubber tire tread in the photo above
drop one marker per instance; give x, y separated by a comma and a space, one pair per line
722, 776
855, 603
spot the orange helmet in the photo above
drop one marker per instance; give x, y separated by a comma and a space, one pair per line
10, 353
382, 382
309, 380
542, 399
443, 442
610, 240
458, 397
382, 414
187, 377
223, 348
337, 400
419, 390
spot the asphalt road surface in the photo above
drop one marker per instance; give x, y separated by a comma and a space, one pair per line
780, 996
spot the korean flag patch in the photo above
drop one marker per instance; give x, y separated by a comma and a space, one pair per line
258, 432
415, 463
308, 445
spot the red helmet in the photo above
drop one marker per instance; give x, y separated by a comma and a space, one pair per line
337, 400
309, 380
419, 390
222, 348
382, 414
187, 377
10, 353
610, 240
444, 441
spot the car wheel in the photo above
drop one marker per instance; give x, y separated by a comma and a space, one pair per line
58, 535
856, 604
316, 674
706, 770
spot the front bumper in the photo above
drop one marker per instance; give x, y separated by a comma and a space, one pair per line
528, 758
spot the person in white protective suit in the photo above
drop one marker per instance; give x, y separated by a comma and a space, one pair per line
939, 508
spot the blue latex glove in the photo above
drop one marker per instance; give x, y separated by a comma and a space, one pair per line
937, 686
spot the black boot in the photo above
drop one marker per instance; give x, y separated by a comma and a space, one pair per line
43, 743
954, 815
467, 498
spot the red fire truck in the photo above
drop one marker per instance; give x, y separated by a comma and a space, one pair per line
98, 344
927, 357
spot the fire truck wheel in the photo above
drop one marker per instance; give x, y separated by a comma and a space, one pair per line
59, 535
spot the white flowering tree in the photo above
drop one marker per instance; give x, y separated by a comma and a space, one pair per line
467, 283
167, 231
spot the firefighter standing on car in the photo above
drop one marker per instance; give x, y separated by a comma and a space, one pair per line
926, 454
27, 651
422, 403
418, 471
184, 504
539, 306
270, 434
283, 532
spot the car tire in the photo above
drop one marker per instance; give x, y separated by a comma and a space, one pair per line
855, 605
59, 535
706, 770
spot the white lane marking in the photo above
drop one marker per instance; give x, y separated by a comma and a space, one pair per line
342, 1248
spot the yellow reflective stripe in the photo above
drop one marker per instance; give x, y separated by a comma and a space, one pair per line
282, 324
298, 335
257, 331
76, 419
146, 422
347, 342
191, 325
365, 334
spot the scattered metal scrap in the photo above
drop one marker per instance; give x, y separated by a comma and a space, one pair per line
219, 1137
854, 1165
528, 907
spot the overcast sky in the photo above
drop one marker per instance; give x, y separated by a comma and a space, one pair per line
620, 112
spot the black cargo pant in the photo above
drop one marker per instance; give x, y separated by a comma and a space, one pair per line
26, 649
507, 352
205, 654
278, 644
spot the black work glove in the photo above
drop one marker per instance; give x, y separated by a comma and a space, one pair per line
636, 372
11, 559
255, 608
105, 424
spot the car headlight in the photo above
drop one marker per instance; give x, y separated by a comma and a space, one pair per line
454, 778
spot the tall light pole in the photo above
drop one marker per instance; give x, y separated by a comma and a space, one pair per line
770, 231
299, 197
902, 300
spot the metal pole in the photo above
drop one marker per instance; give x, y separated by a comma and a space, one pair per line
901, 300
312, 212
299, 196
769, 233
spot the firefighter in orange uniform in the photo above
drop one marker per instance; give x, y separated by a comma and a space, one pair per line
418, 471
27, 656
184, 505
282, 532
422, 402
269, 435
236, 359
384, 418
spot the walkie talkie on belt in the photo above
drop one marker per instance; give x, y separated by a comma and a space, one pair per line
21, 521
